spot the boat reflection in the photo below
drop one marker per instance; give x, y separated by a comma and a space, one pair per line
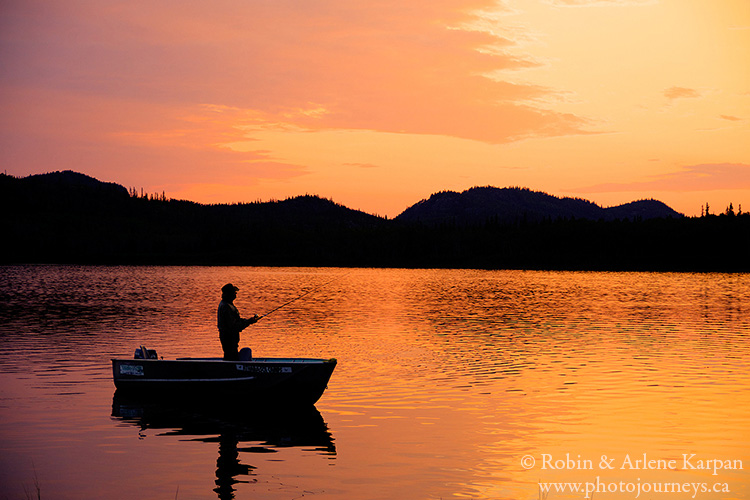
236, 429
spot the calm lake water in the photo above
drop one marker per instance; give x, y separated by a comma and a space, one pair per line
450, 384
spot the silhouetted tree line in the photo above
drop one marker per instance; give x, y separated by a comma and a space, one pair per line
64, 220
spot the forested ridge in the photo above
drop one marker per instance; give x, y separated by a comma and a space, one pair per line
66, 217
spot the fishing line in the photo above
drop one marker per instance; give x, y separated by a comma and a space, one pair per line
297, 298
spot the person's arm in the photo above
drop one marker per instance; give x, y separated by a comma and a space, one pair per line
249, 321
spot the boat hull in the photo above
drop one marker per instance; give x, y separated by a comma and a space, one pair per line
288, 381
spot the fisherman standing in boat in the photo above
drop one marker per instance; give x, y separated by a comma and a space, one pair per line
230, 323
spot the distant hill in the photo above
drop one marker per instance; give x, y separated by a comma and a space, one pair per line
79, 191
69, 180
59, 187
642, 209
480, 205
71, 218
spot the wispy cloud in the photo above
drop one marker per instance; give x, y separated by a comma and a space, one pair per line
680, 93
124, 139
589, 3
702, 177
360, 165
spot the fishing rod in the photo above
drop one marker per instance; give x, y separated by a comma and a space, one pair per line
297, 298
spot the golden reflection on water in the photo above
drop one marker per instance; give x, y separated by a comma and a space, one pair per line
446, 380
504, 365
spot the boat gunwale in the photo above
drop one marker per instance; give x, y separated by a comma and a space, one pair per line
314, 361
184, 380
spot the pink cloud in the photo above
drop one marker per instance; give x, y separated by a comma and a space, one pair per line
703, 177
385, 66
129, 142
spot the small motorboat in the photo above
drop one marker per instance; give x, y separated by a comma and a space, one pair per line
287, 381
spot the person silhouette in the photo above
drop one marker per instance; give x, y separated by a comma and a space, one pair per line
230, 322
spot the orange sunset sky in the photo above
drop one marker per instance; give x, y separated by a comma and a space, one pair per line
378, 104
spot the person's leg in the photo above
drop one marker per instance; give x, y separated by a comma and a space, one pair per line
230, 350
